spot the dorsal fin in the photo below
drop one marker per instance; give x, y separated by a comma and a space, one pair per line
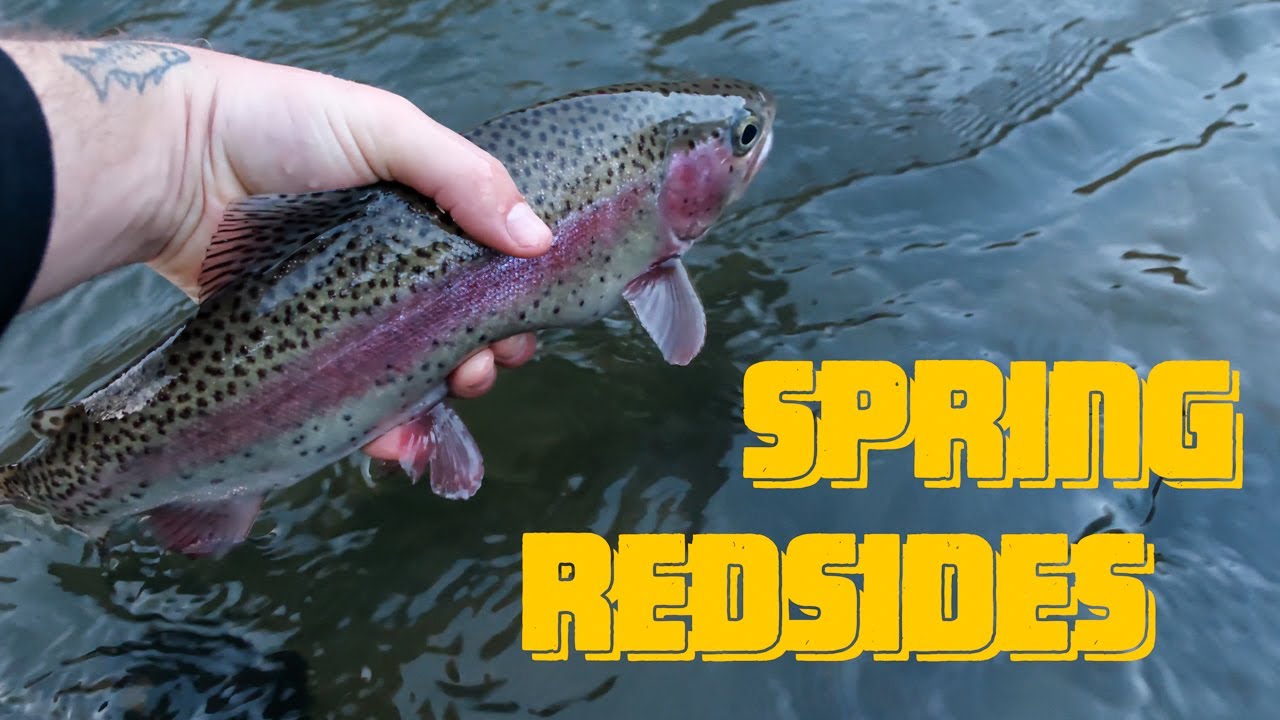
51, 421
259, 232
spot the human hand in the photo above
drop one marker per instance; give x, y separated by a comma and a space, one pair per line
275, 129
215, 129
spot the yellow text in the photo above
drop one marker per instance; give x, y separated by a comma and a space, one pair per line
1069, 426
834, 597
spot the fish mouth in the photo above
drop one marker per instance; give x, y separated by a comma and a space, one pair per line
758, 162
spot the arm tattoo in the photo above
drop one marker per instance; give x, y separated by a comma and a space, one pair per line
128, 64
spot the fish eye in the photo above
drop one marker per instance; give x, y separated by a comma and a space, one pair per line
745, 133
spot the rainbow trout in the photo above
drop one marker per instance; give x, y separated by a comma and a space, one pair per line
327, 319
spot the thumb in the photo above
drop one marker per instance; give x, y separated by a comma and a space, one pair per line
402, 144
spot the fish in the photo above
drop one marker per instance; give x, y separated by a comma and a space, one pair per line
326, 319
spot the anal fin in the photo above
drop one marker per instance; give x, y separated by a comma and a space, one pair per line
204, 528
440, 442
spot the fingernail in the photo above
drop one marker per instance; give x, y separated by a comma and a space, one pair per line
487, 370
515, 349
527, 229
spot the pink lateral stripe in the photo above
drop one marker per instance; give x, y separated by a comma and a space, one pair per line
394, 342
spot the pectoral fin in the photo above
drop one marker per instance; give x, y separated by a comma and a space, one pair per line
669, 309
440, 441
204, 528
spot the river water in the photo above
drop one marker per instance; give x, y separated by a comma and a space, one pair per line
967, 179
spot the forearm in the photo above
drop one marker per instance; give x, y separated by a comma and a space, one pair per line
117, 114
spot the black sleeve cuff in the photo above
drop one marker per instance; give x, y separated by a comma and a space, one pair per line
26, 188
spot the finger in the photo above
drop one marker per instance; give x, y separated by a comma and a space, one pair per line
386, 447
404, 145
514, 351
475, 376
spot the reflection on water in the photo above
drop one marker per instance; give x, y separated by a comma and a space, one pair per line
1068, 180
